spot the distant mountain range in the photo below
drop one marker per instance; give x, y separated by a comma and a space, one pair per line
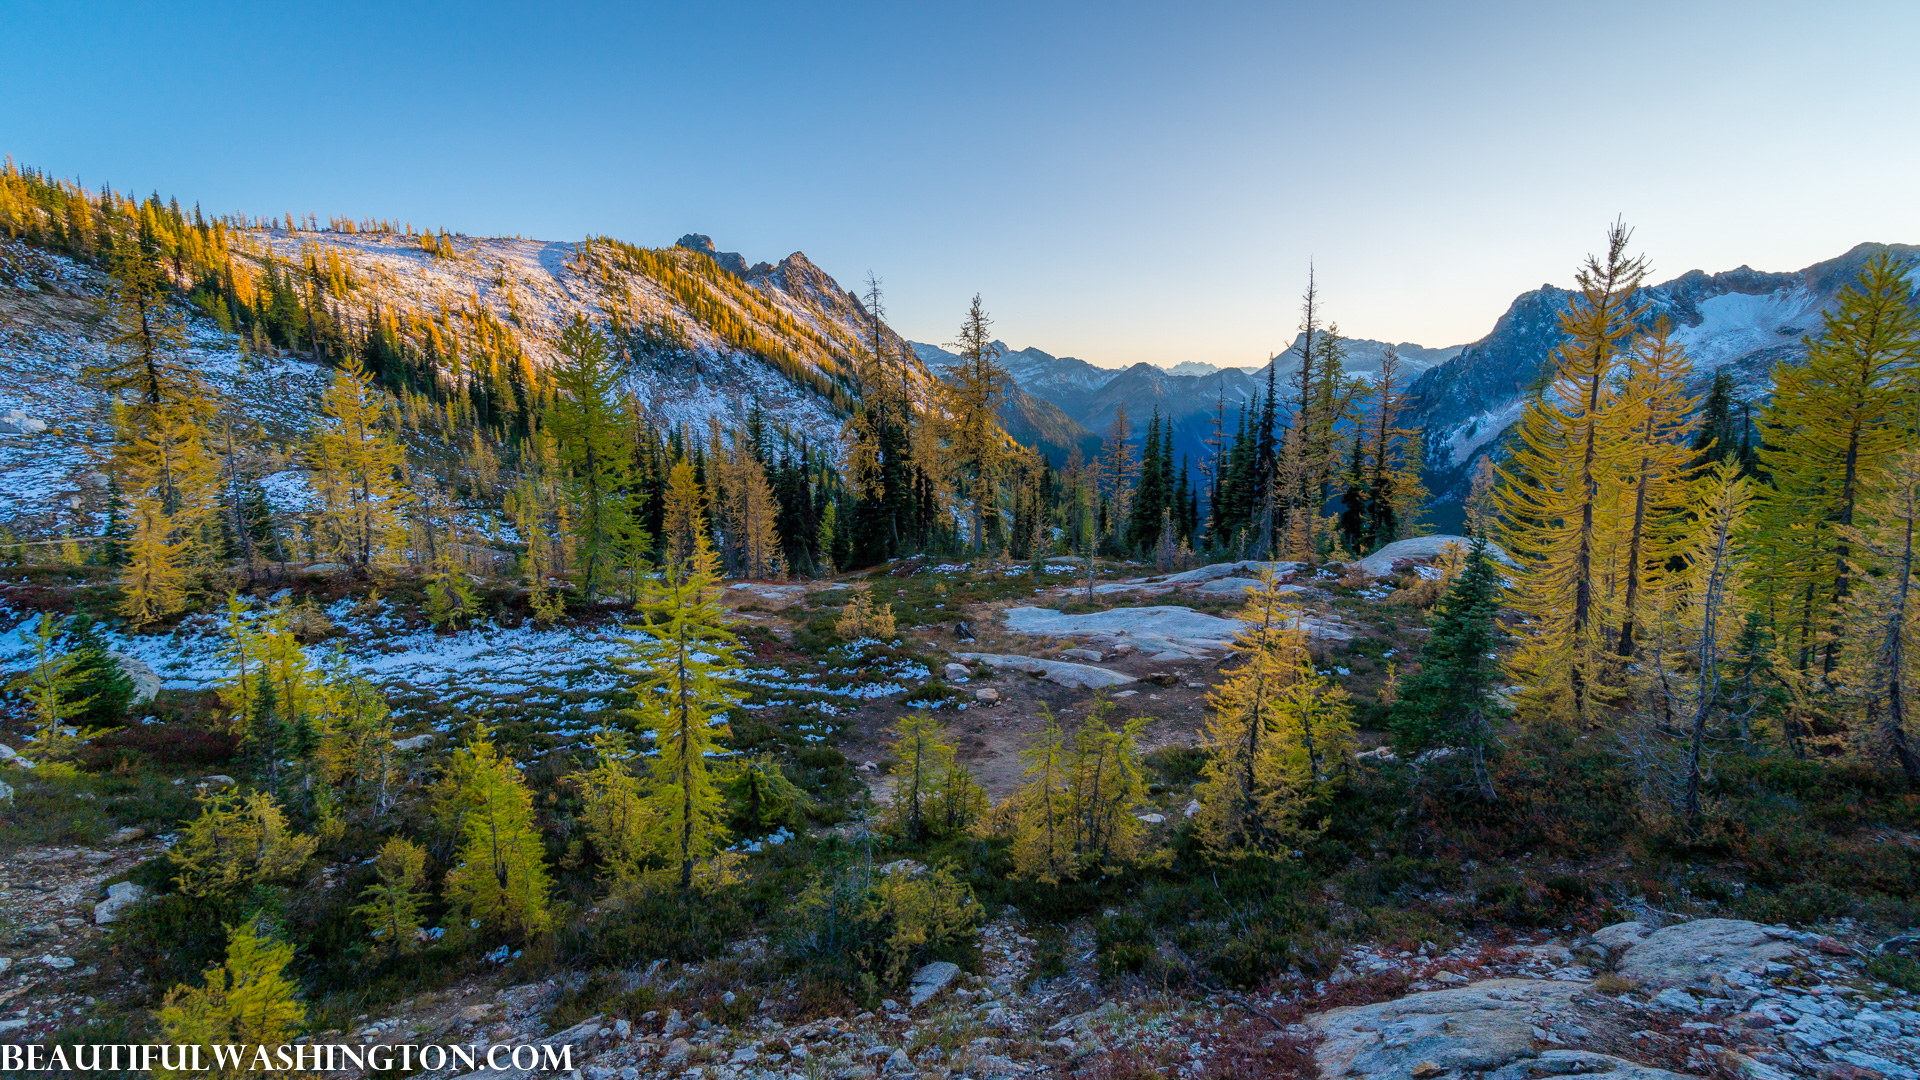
1465, 397
1064, 401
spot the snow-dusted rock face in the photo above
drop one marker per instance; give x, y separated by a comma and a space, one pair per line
1149, 629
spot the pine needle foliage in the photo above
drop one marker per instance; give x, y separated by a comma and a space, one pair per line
249, 1002
681, 658
587, 427
1567, 447
500, 877
1448, 701
391, 906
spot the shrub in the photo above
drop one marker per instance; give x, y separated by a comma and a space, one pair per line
860, 619
1899, 972
883, 925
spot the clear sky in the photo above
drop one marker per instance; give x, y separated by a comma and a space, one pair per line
1119, 181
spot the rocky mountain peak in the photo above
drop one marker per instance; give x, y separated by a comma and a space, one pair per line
729, 260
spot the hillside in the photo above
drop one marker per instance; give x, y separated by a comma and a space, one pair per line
472, 319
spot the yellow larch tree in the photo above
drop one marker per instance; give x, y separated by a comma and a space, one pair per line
1833, 424
358, 469
1650, 500
500, 878
748, 513
971, 394
1276, 732
1567, 449
248, 1002
681, 657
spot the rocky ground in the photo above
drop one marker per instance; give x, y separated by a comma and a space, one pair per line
1712, 997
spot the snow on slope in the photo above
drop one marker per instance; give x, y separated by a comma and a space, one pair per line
49, 330
536, 287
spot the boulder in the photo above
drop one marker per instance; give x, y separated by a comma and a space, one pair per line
956, 672
1151, 629
1488, 1027
1420, 549
120, 896
1246, 570
987, 695
1236, 586
929, 981
1073, 676
1690, 953
146, 681
17, 422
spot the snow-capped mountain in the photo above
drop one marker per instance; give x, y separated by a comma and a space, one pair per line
1742, 320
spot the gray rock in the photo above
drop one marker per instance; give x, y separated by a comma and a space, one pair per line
1582, 1063
121, 895
1487, 1027
1235, 586
575, 1037
1072, 676
1621, 936
17, 422
1694, 952
929, 981
956, 672
146, 681
898, 1062
1677, 1000
1244, 571
1420, 549
413, 742
987, 695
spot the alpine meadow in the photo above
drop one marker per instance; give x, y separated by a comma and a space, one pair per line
666, 660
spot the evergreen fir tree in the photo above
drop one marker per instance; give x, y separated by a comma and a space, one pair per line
1449, 700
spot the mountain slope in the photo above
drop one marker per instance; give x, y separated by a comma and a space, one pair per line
1742, 320
1031, 419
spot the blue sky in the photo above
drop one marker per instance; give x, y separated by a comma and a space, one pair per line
1121, 182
